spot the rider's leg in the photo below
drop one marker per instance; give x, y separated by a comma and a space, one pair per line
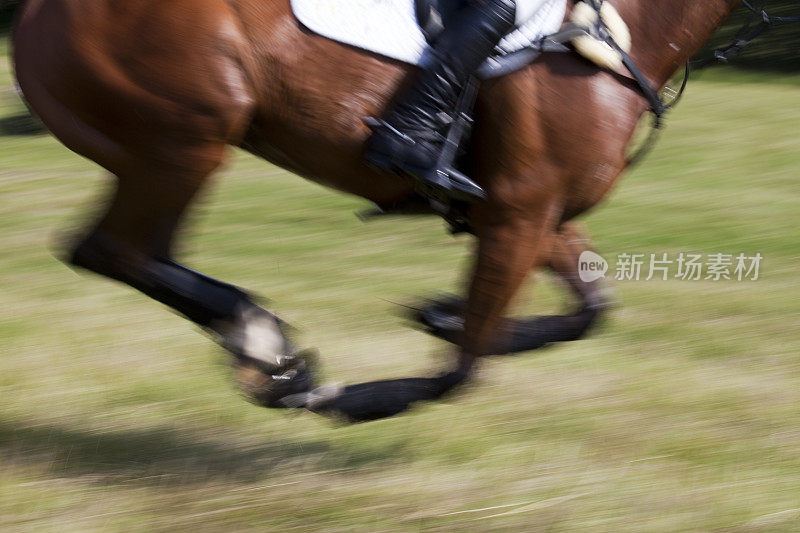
411, 138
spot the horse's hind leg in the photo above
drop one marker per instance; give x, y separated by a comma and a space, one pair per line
160, 122
444, 317
132, 243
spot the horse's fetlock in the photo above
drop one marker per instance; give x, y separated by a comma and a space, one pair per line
255, 334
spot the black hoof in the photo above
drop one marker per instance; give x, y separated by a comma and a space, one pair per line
376, 399
444, 318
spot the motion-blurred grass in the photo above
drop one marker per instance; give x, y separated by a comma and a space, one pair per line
680, 414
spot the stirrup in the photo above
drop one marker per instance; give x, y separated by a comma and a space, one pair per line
456, 185
443, 183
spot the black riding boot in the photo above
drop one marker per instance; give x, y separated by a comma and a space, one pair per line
411, 138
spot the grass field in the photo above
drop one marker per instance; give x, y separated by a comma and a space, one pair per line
682, 412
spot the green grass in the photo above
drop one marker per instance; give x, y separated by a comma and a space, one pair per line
680, 414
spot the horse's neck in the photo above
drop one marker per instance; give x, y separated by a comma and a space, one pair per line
667, 33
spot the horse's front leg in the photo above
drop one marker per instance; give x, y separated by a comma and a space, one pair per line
593, 299
508, 249
444, 317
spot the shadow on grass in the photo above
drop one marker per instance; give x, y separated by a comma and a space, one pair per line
22, 124
170, 457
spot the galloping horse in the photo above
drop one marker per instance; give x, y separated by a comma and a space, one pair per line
155, 92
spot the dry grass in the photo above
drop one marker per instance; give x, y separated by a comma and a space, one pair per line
680, 414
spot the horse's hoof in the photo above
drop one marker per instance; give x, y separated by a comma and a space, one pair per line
442, 317
313, 399
267, 389
377, 399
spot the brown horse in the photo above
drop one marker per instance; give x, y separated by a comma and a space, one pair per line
155, 92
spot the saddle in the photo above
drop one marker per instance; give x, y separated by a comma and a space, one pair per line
404, 29
433, 16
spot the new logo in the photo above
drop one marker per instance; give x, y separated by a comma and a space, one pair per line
591, 266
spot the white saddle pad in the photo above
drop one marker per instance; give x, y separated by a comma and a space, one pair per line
389, 27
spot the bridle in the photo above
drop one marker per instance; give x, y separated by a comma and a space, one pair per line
754, 27
763, 14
